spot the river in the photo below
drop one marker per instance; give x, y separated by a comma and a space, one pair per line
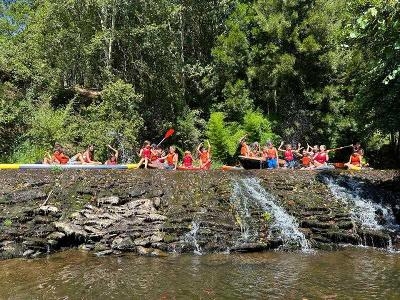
353, 273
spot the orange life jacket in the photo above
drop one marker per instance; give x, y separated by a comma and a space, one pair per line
170, 159
204, 157
271, 153
355, 159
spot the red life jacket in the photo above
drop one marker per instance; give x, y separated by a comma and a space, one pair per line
320, 157
146, 153
188, 161
289, 155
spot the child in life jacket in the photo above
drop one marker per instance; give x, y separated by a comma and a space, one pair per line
355, 161
270, 153
321, 157
171, 159
288, 155
204, 156
145, 154
306, 160
187, 161
113, 158
88, 156
244, 148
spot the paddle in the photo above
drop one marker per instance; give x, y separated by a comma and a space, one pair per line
340, 148
167, 135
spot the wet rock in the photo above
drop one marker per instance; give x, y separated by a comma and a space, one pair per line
136, 193
155, 217
28, 253
113, 200
70, 229
123, 244
141, 241
150, 251
104, 253
56, 235
28, 195
48, 209
157, 202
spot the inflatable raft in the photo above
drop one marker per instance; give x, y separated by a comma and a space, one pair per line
66, 167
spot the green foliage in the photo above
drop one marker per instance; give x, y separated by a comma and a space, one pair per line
225, 136
7, 223
189, 128
267, 217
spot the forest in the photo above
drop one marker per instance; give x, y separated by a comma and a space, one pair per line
120, 72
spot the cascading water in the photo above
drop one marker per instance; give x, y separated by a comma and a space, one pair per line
370, 213
282, 226
365, 209
191, 238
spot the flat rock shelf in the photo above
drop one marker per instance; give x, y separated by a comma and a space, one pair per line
155, 212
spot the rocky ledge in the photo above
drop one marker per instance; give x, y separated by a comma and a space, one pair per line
158, 212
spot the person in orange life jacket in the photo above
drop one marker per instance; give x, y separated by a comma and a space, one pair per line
145, 154
355, 160
59, 157
187, 160
88, 156
255, 150
271, 156
113, 158
204, 156
244, 148
321, 157
171, 159
305, 159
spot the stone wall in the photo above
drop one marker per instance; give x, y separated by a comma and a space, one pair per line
155, 212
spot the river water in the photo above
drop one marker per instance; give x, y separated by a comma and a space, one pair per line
353, 273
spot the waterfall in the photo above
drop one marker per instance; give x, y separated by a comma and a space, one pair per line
191, 237
365, 208
248, 191
370, 213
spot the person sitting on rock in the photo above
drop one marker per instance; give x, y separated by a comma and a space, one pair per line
145, 154
187, 161
204, 156
88, 156
321, 157
171, 159
113, 158
271, 156
244, 148
355, 161
59, 157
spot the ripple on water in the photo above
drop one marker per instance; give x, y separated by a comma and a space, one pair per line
351, 273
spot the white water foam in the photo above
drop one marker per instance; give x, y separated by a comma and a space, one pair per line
283, 226
364, 210
191, 237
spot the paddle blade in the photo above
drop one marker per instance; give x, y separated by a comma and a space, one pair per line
169, 133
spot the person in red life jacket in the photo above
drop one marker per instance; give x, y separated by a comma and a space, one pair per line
288, 155
204, 156
88, 156
59, 157
145, 154
244, 148
306, 160
171, 159
321, 157
355, 161
113, 158
271, 155
187, 161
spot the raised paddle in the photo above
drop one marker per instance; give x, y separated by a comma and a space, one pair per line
167, 135
340, 148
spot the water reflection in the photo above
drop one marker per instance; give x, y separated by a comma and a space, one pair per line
351, 273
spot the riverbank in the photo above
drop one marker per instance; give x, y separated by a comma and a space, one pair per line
156, 212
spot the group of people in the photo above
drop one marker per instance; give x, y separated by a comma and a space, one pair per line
86, 157
151, 156
301, 157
